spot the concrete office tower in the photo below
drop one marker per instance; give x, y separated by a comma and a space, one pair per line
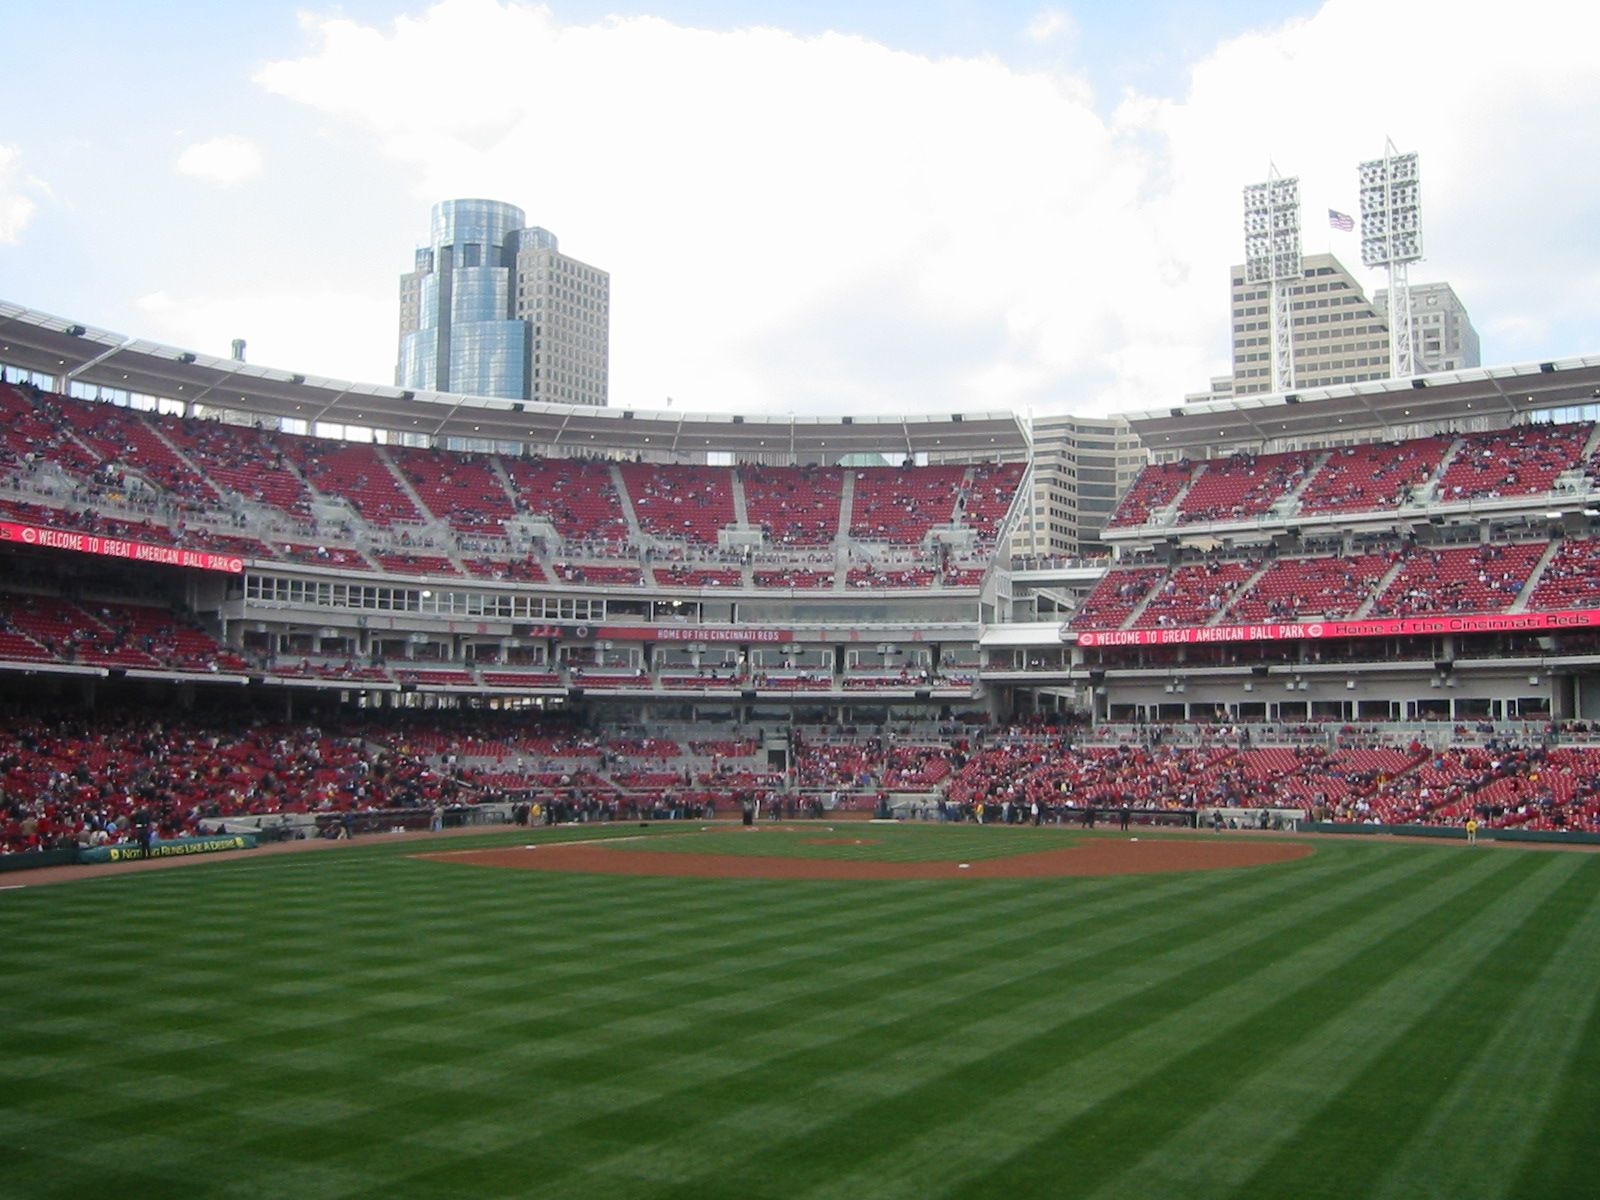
1339, 335
1442, 335
493, 308
1081, 467
568, 305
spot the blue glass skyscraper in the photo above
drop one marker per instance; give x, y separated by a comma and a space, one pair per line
493, 308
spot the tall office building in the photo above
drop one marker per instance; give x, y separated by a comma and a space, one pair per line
1081, 467
1339, 336
1337, 333
493, 308
1442, 335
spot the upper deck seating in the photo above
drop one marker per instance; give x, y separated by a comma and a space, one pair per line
122, 437
519, 570
35, 426
1571, 579
355, 472
407, 563
989, 496
462, 489
1525, 460
1243, 486
244, 461
1156, 487
1371, 477
577, 496
1291, 588
699, 577
1193, 594
786, 577
794, 506
1465, 580
685, 502
900, 505
1119, 592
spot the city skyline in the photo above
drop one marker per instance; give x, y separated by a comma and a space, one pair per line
829, 209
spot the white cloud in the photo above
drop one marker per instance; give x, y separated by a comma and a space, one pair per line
790, 223
319, 332
1049, 24
1518, 330
224, 161
17, 206
821, 223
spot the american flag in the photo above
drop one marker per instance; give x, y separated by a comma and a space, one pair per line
1343, 222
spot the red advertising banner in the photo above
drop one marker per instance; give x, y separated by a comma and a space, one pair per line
94, 543
1523, 622
693, 633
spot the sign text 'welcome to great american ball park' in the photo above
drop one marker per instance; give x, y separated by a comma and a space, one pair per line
110, 547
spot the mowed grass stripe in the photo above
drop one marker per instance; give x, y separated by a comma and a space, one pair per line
1216, 1152
976, 1049
855, 843
564, 1098
827, 1005
567, 1098
1561, 1160
397, 1024
1010, 1106
288, 950
1470, 1147
1383, 1106
1158, 1104
919, 965
785, 955
384, 972
792, 1013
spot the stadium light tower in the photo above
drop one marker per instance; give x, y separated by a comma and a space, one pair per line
1391, 237
1272, 256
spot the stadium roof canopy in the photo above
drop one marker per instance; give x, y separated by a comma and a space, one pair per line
72, 353
1382, 408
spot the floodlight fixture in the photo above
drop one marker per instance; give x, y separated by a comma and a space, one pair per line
1272, 230
1272, 256
1391, 238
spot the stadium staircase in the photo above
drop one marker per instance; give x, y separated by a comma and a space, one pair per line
635, 530
1287, 506
1381, 589
1520, 604
741, 511
847, 507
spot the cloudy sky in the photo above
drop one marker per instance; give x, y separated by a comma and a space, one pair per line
891, 206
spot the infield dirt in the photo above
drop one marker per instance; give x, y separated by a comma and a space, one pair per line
1094, 856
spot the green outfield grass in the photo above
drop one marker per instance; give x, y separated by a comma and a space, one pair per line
1379, 1020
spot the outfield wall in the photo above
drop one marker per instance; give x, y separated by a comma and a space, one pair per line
1456, 833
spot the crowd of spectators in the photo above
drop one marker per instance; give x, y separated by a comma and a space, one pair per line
1504, 783
91, 780
71, 779
105, 634
1524, 460
170, 480
1242, 485
1225, 586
